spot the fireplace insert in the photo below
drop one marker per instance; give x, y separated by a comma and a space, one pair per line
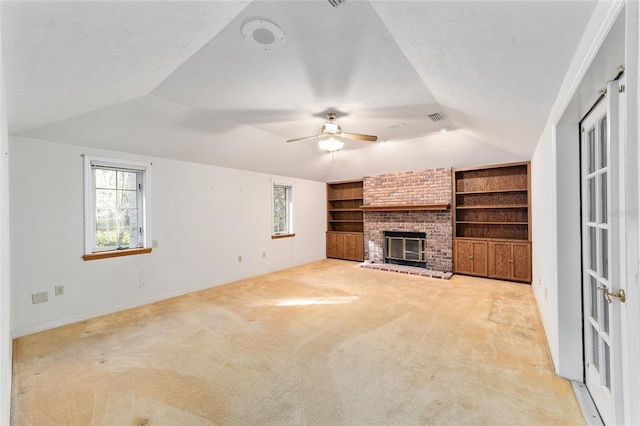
405, 248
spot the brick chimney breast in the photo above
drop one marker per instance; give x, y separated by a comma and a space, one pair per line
430, 186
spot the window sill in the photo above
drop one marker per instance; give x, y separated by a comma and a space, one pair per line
275, 237
115, 253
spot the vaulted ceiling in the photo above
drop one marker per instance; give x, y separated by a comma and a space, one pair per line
183, 80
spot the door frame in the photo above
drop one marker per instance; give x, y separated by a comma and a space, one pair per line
609, 105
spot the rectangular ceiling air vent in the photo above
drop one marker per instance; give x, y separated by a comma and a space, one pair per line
336, 3
436, 117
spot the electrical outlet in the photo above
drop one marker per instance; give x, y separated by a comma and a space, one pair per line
59, 290
239, 258
154, 244
43, 296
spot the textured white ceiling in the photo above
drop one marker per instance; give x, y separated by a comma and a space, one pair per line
66, 58
177, 80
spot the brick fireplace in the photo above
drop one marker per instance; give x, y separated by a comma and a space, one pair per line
411, 189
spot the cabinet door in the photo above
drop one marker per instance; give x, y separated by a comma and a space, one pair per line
359, 247
349, 246
332, 250
463, 257
340, 246
521, 261
479, 258
500, 260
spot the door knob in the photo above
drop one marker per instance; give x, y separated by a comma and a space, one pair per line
620, 294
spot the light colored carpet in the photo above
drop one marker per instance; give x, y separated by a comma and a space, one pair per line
326, 343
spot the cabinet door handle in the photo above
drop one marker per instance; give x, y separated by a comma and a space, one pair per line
510, 260
470, 257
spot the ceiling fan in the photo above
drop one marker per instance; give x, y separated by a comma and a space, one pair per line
331, 131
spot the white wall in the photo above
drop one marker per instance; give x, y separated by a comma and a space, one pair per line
555, 185
568, 292
203, 217
5, 294
543, 229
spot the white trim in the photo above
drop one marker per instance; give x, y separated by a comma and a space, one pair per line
629, 153
601, 22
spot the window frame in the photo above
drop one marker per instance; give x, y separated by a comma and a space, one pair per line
289, 201
91, 252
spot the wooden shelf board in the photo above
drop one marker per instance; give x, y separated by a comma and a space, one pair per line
406, 207
345, 199
346, 221
493, 191
342, 182
345, 210
503, 206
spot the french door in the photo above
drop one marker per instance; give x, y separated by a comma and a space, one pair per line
601, 272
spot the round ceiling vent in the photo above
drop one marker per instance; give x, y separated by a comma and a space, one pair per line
263, 35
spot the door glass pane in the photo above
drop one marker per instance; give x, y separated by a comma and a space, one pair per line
603, 141
593, 286
591, 185
604, 244
591, 151
607, 366
603, 198
595, 354
592, 249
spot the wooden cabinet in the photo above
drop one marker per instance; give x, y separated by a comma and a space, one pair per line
471, 257
510, 260
345, 224
345, 245
492, 205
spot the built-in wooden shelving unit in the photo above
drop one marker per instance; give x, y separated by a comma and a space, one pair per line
345, 220
492, 221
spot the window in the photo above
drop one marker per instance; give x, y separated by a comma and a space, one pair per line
116, 200
282, 211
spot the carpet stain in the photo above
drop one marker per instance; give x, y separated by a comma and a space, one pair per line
140, 421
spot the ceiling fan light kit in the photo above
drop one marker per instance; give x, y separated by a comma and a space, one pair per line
331, 144
330, 131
